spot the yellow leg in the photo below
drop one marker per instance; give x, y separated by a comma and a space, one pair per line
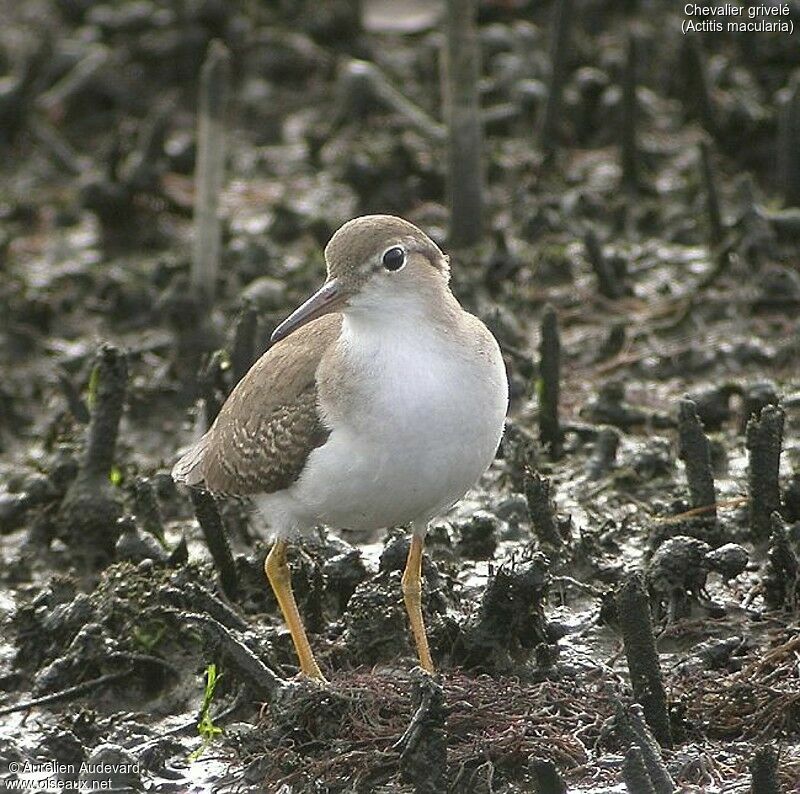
277, 571
412, 595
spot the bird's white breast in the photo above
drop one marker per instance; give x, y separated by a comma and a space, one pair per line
417, 425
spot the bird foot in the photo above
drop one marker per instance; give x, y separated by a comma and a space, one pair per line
310, 678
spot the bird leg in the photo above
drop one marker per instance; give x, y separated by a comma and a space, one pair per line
277, 570
412, 595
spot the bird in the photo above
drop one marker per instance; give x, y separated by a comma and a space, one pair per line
380, 402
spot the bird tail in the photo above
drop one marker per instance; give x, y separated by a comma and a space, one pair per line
189, 469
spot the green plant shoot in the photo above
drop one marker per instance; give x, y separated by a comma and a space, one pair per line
206, 728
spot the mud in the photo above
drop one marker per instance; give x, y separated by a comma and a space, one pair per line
639, 268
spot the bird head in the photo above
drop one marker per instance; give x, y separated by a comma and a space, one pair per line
376, 263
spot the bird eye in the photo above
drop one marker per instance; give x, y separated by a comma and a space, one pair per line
394, 258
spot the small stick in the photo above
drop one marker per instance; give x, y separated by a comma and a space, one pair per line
210, 170
464, 126
363, 83
208, 517
53, 100
243, 352
764, 769
67, 694
541, 509
764, 438
606, 277
788, 137
737, 501
549, 383
634, 773
629, 152
263, 681
633, 609
58, 146
694, 450
200, 598
559, 49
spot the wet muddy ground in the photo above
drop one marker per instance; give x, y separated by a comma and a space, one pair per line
656, 215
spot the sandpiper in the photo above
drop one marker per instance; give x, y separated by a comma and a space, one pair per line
380, 402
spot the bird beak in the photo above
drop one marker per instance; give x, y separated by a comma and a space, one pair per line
328, 298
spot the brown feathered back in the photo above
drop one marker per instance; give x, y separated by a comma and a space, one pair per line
269, 424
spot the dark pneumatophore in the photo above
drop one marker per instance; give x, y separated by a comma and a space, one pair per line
764, 438
559, 51
633, 609
464, 125
694, 450
90, 509
550, 382
764, 769
205, 508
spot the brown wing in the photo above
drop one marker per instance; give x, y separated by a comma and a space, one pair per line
269, 425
